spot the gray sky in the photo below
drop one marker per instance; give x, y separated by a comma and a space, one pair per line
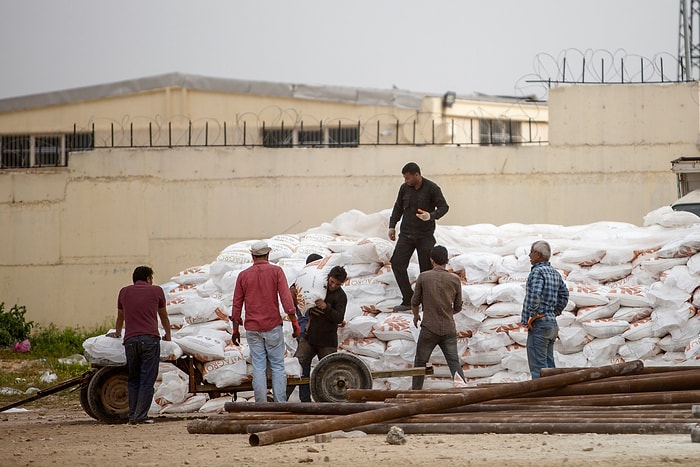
432, 46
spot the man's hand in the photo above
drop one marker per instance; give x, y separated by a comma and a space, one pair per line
416, 318
532, 319
423, 215
236, 335
392, 234
295, 294
114, 334
296, 330
316, 311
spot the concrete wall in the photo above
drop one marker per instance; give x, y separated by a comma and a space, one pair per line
72, 236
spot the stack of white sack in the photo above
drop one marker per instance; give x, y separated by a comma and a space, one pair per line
633, 295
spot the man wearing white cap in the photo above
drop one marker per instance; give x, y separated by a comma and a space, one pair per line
261, 287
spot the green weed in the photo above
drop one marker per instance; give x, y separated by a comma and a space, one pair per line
13, 326
21, 371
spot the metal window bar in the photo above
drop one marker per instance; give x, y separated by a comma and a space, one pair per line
15, 151
20, 151
47, 151
345, 137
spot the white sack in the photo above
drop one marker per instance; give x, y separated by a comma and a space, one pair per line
194, 275
203, 348
602, 328
104, 350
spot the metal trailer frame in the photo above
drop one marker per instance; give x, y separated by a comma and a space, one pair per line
104, 393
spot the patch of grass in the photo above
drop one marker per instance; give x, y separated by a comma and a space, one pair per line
54, 342
21, 371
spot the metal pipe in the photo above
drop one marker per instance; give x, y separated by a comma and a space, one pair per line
661, 381
440, 403
487, 417
645, 371
323, 408
638, 383
508, 428
530, 428
661, 397
489, 407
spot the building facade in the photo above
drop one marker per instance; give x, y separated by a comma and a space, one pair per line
73, 232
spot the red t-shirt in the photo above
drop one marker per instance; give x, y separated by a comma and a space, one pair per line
140, 303
259, 287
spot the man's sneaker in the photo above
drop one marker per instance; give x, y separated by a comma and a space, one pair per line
145, 421
402, 308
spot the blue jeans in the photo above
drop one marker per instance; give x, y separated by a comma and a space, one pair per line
427, 341
268, 346
142, 357
403, 251
540, 346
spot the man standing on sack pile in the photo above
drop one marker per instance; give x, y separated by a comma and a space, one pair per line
321, 335
138, 308
546, 297
440, 293
419, 204
261, 287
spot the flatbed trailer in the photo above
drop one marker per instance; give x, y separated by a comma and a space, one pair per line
104, 393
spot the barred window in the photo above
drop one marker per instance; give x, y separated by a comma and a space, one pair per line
79, 142
278, 138
47, 151
310, 138
499, 132
15, 151
347, 137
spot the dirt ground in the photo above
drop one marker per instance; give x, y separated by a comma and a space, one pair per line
55, 431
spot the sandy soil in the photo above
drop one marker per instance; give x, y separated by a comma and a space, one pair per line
55, 431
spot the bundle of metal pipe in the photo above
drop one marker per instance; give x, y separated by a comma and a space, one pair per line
601, 421
637, 401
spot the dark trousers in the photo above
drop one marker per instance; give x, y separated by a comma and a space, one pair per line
403, 251
142, 357
305, 353
427, 341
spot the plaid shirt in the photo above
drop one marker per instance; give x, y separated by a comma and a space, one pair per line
546, 293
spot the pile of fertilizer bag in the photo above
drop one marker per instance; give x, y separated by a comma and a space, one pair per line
633, 296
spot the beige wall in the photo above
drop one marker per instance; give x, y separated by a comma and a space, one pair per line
72, 236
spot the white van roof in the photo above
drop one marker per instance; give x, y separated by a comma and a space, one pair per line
691, 198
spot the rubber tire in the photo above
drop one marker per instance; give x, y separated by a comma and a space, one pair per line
108, 394
335, 374
84, 403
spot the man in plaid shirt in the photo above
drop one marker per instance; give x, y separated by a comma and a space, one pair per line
545, 298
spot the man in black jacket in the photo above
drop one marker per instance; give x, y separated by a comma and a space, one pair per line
419, 204
321, 335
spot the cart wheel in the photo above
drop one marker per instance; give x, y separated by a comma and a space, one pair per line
335, 374
108, 394
84, 403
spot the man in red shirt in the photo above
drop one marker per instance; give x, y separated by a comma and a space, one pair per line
261, 287
139, 306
